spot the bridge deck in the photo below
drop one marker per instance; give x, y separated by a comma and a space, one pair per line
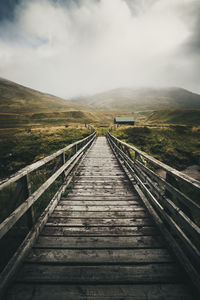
100, 243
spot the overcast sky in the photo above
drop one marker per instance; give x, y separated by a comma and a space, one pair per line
79, 47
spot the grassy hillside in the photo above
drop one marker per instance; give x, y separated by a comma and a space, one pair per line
142, 99
15, 98
178, 146
24, 107
171, 116
20, 148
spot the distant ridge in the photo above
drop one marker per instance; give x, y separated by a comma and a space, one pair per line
15, 98
143, 99
21, 106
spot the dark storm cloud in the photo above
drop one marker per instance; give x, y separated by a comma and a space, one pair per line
7, 8
192, 44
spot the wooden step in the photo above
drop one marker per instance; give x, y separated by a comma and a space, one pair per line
100, 292
100, 242
99, 256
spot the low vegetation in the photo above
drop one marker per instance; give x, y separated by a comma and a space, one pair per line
175, 145
170, 116
20, 147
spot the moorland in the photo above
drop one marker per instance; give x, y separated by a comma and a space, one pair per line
34, 124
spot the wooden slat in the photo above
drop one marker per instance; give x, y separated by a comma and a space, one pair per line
39, 163
99, 256
100, 242
102, 198
97, 203
151, 273
100, 231
100, 236
191, 181
99, 214
16, 215
98, 208
100, 292
59, 221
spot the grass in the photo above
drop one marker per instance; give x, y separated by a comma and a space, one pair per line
24, 148
170, 116
178, 146
20, 148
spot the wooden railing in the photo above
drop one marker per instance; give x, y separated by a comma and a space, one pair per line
62, 165
173, 199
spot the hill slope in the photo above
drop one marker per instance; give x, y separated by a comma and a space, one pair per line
21, 106
169, 116
143, 99
15, 98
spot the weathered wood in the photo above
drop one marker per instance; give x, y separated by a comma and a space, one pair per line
100, 292
39, 163
98, 208
97, 203
10, 269
100, 234
59, 221
194, 183
100, 231
100, 214
151, 273
99, 256
16, 215
119, 242
189, 266
101, 198
195, 207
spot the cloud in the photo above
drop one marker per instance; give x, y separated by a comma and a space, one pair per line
70, 48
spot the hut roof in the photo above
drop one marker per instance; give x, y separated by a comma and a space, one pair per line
124, 119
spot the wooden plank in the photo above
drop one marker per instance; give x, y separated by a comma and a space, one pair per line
97, 208
100, 231
40, 163
59, 221
100, 292
99, 193
98, 203
7, 274
100, 181
133, 197
100, 214
147, 273
8, 223
101, 186
195, 207
100, 242
98, 256
184, 178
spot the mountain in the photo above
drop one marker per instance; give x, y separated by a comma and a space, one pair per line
15, 98
142, 99
23, 107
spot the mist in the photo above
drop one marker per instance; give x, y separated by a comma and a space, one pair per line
75, 48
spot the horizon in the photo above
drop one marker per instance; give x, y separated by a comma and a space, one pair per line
105, 91
94, 46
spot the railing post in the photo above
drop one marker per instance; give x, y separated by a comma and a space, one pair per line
63, 162
27, 192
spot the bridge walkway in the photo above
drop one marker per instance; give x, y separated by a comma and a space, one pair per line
100, 243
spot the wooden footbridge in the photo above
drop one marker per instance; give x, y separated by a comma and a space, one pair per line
120, 232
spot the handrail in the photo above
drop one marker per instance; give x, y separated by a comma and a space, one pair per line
39, 163
66, 172
160, 164
169, 198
